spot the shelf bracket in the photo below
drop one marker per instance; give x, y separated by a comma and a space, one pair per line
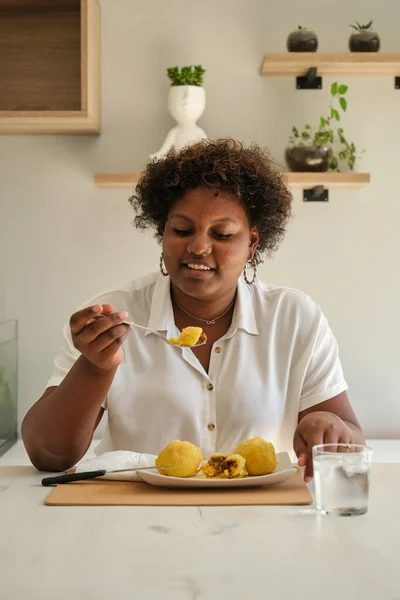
397, 82
310, 81
316, 194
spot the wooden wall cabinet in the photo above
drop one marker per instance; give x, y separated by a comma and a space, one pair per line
49, 66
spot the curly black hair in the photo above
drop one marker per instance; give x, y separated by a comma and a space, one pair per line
247, 173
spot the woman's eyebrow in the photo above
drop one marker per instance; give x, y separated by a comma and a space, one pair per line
181, 216
221, 220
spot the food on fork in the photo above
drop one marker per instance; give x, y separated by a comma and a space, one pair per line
189, 336
185, 459
260, 455
225, 466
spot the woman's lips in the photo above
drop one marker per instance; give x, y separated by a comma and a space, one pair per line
198, 273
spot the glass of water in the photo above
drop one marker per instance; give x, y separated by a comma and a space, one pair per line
341, 473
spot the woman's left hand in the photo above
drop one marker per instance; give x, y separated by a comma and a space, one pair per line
318, 427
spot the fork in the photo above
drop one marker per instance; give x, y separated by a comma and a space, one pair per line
166, 340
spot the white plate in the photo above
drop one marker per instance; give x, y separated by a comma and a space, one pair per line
284, 470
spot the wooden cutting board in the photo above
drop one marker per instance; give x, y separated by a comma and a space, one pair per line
125, 493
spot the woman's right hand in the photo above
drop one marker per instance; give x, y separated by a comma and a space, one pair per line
99, 340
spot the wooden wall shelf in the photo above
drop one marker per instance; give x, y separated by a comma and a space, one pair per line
294, 180
327, 180
50, 66
116, 180
330, 63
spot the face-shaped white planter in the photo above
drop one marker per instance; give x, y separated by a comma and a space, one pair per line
186, 103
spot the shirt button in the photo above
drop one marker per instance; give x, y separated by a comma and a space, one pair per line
218, 350
210, 387
211, 427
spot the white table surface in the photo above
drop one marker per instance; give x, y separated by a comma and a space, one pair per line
172, 553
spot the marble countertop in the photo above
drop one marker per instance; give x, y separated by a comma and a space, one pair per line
175, 553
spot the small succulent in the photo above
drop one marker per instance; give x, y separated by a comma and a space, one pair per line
362, 28
186, 75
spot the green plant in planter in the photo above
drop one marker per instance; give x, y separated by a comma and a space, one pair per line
6, 397
364, 38
326, 135
361, 28
186, 75
7, 410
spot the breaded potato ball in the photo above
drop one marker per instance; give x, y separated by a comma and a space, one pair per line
260, 455
184, 457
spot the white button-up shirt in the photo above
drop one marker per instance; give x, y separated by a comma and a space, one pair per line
278, 357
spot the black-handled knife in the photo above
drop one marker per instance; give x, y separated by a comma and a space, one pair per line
69, 477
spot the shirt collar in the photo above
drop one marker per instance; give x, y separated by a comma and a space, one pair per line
243, 316
162, 314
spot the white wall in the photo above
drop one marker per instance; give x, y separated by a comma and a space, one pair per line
65, 239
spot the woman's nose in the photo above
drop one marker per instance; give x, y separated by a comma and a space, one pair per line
199, 245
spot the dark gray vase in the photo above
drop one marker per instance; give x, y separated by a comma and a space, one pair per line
365, 41
308, 158
302, 40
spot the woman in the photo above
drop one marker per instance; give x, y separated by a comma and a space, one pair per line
270, 366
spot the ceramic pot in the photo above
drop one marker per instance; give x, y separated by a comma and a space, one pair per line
186, 103
302, 40
308, 158
364, 41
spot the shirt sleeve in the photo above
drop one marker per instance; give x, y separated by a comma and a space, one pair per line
324, 377
65, 360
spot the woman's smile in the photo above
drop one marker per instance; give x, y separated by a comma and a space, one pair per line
197, 269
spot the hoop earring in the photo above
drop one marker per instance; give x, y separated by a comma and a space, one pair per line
250, 264
162, 266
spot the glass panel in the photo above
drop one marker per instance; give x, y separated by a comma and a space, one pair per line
8, 384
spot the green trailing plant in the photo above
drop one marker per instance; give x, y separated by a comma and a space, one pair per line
7, 410
191, 75
325, 134
361, 28
6, 397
